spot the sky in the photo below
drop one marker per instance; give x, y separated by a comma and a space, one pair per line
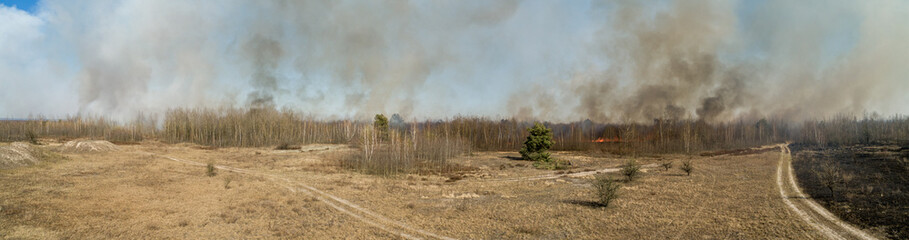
24, 5
608, 61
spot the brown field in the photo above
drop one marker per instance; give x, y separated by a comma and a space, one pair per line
136, 191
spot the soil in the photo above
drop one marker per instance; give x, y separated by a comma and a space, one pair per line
877, 195
741, 151
86, 146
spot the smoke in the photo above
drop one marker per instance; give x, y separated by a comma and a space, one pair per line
603, 60
721, 60
265, 55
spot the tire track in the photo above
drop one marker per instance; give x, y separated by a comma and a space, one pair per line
342, 205
808, 210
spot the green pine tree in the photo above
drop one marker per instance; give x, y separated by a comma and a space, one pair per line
537, 145
381, 126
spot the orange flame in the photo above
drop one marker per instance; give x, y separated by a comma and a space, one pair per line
605, 140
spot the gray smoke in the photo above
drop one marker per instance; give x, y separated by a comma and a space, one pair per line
703, 60
265, 55
608, 61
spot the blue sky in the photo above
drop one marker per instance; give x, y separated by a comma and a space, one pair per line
25, 5
559, 61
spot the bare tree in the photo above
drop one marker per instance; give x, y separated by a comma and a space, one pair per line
832, 176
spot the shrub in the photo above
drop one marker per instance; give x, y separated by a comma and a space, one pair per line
32, 137
630, 170
666, 165
832, 176
210, 170
606, 189
227, 181
555, 164
687, 167
537, 144
287, 146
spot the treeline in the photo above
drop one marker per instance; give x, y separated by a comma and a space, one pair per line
92, 127
849, 130
233, 127
256, 127
660, 136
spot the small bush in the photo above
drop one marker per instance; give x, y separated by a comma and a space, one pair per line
287, 146
210, 170
832, 176
631, 170
554, 164
606, 189
666, 165
227, 181
32, 137
687, 167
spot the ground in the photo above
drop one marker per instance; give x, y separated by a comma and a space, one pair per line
155, 190
877, 194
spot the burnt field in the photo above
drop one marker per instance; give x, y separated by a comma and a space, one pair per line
871, 187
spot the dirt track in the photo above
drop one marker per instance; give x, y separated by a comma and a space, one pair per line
808, 210
340, 204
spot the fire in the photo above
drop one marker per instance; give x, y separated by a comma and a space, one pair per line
605, 140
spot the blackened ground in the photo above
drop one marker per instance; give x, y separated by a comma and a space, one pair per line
740, 151
877, 196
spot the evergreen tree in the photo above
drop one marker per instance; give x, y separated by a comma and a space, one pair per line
381, 126
536, 146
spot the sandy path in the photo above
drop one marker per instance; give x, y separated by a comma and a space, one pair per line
554, 176
340, 204
808, 210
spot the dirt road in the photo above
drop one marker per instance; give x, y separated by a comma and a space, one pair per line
808, 210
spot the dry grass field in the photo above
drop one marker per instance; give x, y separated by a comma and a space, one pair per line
141, 191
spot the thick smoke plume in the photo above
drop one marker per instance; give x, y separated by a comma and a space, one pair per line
704, 60
607, 61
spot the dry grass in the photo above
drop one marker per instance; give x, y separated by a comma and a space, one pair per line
130, 194
735, 197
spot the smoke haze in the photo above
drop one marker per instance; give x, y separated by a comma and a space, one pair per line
547, 60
